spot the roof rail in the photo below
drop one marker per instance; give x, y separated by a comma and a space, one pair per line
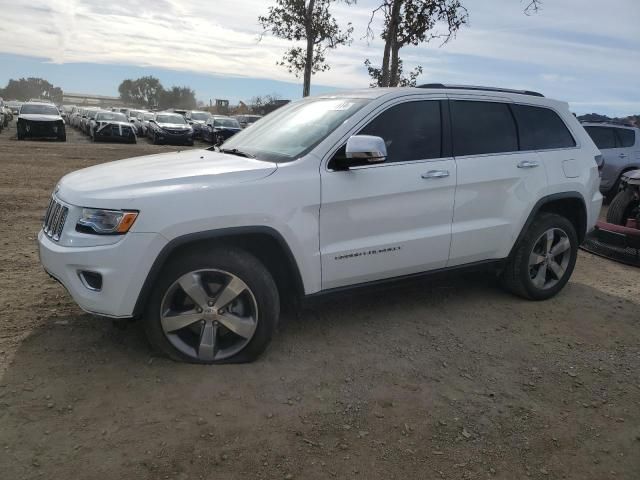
476, 87
620, 123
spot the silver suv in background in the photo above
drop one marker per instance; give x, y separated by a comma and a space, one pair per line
620, 147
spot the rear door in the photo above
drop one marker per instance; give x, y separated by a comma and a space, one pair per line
497, 183
394, 218
615, 157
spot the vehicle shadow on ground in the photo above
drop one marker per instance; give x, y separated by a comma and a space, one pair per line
83, 399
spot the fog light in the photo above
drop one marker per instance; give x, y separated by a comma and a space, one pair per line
91, 280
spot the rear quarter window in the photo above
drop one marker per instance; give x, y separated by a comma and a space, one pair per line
626, 137
541, 129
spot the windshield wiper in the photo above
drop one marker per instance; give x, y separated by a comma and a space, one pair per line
235, 151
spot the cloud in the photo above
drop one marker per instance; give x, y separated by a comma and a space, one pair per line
576, 50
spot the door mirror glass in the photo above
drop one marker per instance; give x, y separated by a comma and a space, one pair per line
365, 148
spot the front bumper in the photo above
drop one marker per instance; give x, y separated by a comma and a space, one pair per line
37, 129
123, 265
177, 138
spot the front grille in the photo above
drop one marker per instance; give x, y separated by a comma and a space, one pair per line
54, 219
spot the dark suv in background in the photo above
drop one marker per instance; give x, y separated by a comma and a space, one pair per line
620, 147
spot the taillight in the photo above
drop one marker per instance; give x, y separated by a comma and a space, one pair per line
599, 162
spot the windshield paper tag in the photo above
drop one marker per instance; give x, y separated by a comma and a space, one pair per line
341, 106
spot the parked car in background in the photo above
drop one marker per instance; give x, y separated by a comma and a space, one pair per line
66, 112
247, 120
144, 123
179, 111
40, 120
218, 128
4, 115
170, 127
620, 147
197, 120
14, 105
135, 119
112, 126
86, 123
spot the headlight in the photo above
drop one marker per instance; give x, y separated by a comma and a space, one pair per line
105, 222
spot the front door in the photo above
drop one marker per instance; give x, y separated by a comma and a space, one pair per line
393, 218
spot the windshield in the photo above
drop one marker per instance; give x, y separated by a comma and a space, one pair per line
199, 116
170, 119
295, 129
111, 116
39, 109
148, 116
226, 122
92, 113
134, 113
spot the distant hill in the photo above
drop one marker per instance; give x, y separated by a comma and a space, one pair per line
596, 117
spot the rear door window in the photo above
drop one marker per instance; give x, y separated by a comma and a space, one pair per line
603, 137
541, 129
626, 137
482, 127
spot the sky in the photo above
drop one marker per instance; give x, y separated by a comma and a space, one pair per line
586, 52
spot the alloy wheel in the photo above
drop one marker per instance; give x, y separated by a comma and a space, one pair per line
209, 315
549, 258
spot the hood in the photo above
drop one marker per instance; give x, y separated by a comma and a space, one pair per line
38, 117
174, 126
104, 123
119, 184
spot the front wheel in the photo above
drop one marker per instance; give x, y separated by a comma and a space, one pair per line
544, 260
217, 305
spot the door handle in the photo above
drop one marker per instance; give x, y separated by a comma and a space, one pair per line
528, 164
435, 174
623, 155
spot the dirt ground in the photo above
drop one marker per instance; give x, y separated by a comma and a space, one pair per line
446, 378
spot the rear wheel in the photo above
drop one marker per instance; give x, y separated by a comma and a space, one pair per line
213, 306
622, 207
544, 260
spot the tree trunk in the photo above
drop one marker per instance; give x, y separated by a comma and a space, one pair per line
394, 77
308, 64
311, 40
390, 41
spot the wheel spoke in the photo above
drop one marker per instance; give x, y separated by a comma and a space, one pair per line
208, 338
243, 327
176, 321
557, 269
229, 293
191, 283
535, 259
541, 277
549, 236
562, 246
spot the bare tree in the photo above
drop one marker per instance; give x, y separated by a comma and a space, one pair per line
533, 6
412, 22
309, 21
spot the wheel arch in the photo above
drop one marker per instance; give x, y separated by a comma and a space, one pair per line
570, 205
266, 243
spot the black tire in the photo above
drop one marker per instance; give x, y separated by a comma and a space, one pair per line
516, 276
228, 259
154, 139
621, 206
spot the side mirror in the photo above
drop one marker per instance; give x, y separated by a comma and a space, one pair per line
366, 148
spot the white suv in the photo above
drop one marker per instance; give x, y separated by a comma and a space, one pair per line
326, 193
